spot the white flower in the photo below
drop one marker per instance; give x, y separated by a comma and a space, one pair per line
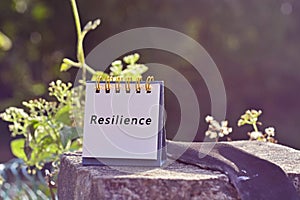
224, 130
270, 131
216, 129
224, 123
116, 63
255, 135
211, 134
208, 118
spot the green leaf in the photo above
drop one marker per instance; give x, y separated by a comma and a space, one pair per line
76, 145
17, 147
67, 134
131, 59
63, 115
44, 154
46, 141
34, 123
64, 67
67, 64
99, 74
116, 68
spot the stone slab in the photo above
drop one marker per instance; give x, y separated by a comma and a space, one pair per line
173, 180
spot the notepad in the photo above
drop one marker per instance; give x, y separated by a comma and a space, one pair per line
124, 123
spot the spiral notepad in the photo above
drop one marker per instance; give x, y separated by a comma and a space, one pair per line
124, 123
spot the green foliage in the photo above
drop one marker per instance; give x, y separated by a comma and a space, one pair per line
46, 127
133, 69
18, 148
250, 117
98, 74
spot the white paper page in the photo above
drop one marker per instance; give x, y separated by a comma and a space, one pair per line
118, 137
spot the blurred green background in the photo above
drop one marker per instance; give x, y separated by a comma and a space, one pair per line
255, 45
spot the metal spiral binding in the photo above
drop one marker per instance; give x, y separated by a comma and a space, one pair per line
98, 88
138, 85
117, 84
127, 85
147, 84
107, 84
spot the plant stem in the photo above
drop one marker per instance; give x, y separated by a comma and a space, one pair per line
77, 64
80, 52
76, 17
51, 192
255, 127
50, 186
89, 69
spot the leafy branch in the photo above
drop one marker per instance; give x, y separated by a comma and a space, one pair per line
80, 63
43, 126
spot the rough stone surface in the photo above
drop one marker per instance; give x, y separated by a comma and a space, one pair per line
173, 181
